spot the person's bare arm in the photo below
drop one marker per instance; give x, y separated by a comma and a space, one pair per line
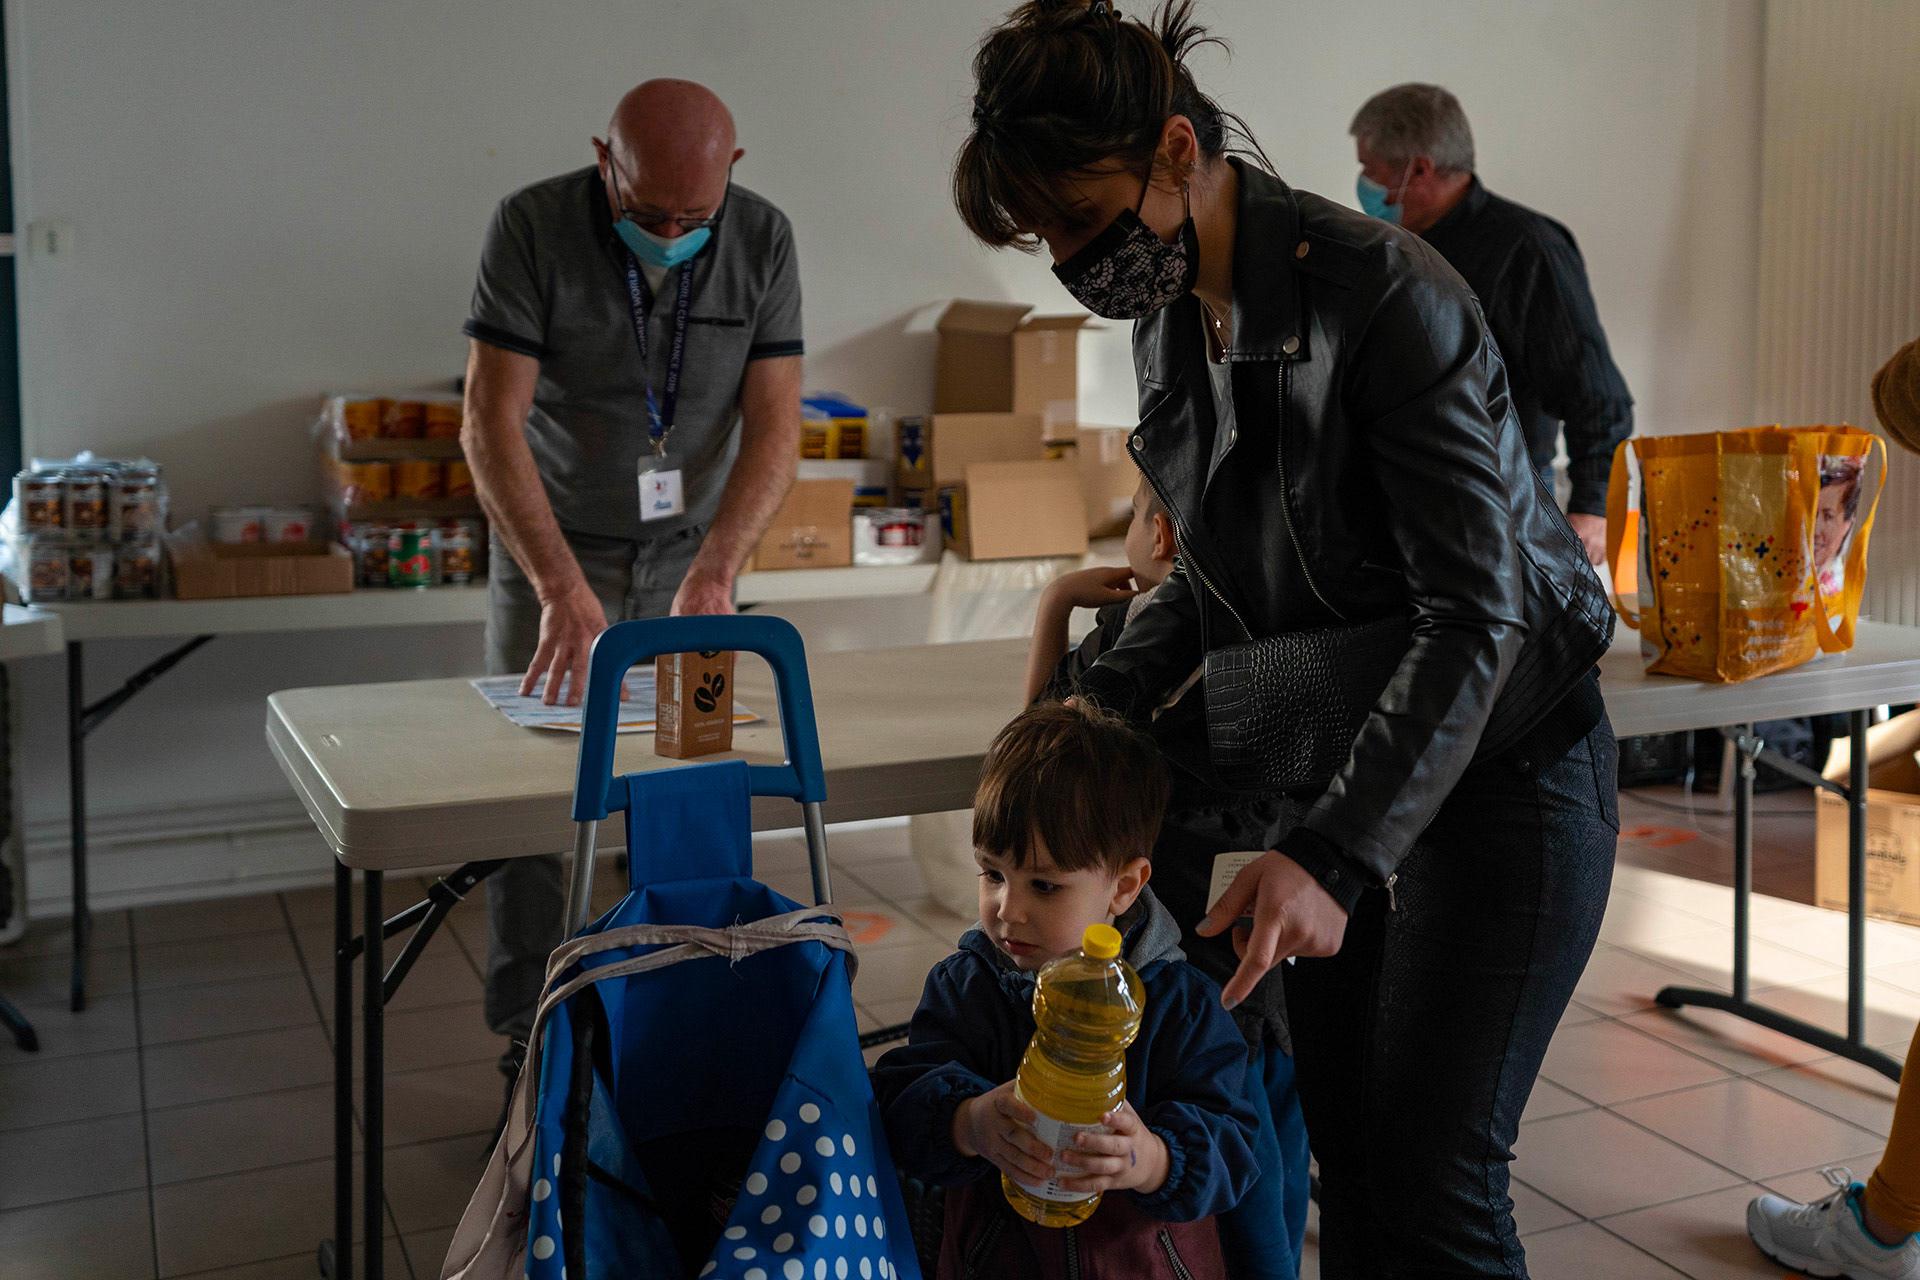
762, 473
498, 396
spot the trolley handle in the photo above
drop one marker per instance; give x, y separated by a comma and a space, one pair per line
627, 644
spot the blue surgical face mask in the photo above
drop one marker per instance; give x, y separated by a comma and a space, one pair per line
661, 251
1374, 198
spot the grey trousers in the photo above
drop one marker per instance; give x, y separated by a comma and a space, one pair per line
526, 898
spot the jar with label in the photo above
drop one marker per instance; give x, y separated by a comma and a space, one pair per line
360, 416
41, 497
137, 503
456, 556
88, 510
89, 572
136, 570
46, 568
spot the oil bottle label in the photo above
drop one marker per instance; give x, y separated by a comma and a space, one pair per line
1059, 1135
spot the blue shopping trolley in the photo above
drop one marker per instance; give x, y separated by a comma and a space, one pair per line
695, 1102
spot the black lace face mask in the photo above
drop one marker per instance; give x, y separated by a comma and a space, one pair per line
1127, 271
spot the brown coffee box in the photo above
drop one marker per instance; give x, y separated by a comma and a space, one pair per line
694, 704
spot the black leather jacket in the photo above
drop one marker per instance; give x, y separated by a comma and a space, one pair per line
1376, 468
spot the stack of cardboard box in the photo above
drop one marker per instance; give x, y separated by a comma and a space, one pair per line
1004, 454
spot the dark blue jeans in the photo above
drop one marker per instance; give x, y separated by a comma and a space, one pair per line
1417, 1045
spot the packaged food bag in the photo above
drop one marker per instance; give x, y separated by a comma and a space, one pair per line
1752, 545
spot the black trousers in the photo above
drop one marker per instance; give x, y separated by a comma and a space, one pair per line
1417, 1045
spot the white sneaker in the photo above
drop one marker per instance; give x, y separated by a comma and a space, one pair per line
1828, 1237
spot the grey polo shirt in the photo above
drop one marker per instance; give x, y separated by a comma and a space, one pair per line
552, 285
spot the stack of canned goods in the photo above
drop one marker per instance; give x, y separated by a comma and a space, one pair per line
90, 530
416, 553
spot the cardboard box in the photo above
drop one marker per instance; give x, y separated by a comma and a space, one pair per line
1046, 372
1108, 478
935, 452
813, 529
1015, 510
1893, 824
694, 712
975, 369
872, 478
209, 571
994, 359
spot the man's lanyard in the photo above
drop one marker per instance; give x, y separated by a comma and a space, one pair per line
640, 298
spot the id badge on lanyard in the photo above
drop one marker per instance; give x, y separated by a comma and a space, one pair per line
662, 486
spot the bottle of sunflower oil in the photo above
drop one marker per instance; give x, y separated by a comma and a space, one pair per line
1086, 1011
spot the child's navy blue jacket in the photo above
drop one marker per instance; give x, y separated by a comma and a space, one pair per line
1185, 1073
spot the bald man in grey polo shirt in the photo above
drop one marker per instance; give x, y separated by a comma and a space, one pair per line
632, 420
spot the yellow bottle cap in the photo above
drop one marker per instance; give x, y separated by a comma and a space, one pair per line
1100, 942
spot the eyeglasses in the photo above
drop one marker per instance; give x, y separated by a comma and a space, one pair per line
650, 219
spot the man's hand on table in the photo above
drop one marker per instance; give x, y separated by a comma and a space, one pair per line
569, 624
703, 593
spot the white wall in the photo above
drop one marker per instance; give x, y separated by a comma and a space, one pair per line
272, 200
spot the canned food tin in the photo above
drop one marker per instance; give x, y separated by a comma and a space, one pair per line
360, 417
137, 503
418, 480
290, 524
42, 499
47, 569
456, 557
410, 557
366, 481
404, 420
136, 570
87, 506
368, 543
239, 524
459, 480
443, 419
90, 573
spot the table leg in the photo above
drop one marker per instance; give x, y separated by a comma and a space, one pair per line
1857, 879
77, 802
373, 1082
1852, 1045
343, 950
1744, 749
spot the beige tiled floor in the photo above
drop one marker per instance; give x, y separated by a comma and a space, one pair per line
181, 1126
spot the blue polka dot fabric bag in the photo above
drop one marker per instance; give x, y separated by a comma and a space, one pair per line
695, 1102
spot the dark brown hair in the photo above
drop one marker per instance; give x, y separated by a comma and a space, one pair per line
1063, 86
1074, 781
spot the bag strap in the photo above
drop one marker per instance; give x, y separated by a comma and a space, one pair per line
1617, 533
679, 943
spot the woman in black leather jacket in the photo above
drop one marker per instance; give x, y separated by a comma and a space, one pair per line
1325, 416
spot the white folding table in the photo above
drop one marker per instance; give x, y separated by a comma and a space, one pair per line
421, 774
24, 633
197, 622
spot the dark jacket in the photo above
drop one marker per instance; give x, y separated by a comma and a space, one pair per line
1528, 274
1186, 1074
1202, 821
1377, 469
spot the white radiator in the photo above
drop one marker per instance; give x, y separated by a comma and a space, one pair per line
1839, 271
